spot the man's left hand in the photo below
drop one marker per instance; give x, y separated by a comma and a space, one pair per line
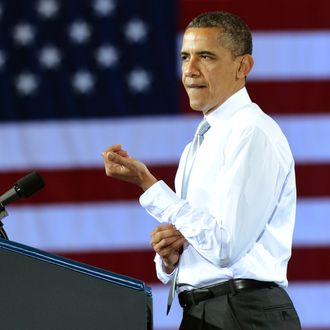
168, 242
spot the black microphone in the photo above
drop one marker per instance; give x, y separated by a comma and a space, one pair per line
24, 187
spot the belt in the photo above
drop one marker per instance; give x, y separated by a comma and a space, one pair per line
193, 297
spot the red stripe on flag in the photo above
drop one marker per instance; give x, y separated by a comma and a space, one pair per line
140, 264
264, 15
284, 97
310, 264
84, 185
291, 97
134, 263
313, 180
88, 185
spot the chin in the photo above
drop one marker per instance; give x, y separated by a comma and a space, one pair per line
196, 107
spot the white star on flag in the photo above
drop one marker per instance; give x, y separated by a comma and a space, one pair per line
104, 7
139, 80
23, 34
48, 8
79, 31
136, 30
83, 81
50, 57
26, 83
107, 56
2, 59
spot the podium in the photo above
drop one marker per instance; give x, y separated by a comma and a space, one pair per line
39, 291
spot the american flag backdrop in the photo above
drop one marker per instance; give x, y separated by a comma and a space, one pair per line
79, 75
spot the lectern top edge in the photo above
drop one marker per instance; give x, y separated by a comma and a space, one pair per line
74, 265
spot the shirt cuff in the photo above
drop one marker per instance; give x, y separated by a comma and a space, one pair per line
157, 199
162, 276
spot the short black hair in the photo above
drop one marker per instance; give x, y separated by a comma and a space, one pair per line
234, 32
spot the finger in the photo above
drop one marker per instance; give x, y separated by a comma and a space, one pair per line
173, 243
164, 241
164, 251
118, 159
122, 153
171, 250
178, 244
114, 148
167, 253
161, 228
164, 234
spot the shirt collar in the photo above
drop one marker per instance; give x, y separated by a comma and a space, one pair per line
235, 102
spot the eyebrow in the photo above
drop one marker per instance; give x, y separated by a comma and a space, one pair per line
202, 52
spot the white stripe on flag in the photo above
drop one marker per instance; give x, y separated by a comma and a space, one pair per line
126, 225
161, 320
81, 227
312, 303
77, 143
307, 136
312, 222
282, 55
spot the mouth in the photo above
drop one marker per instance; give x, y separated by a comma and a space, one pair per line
195, 86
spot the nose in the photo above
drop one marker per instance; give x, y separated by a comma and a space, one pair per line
190, 68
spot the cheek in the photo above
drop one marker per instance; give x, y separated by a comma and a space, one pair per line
215, 84
221, 80
183, 78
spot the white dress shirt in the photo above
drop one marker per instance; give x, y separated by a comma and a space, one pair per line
239, 213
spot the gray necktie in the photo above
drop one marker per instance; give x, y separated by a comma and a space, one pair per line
202, 128
195, 144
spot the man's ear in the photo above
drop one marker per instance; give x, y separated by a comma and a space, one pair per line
246, 64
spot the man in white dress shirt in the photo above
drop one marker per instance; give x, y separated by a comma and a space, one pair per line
225, 236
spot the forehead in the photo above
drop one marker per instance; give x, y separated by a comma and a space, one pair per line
201, 38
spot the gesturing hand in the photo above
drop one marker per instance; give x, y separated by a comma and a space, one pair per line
167, 241
118, 164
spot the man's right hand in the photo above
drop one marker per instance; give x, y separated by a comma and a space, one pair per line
168, 242
118, 164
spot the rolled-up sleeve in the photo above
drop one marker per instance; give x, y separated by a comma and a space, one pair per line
250, 187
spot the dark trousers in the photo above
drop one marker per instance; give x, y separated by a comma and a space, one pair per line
251, 309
